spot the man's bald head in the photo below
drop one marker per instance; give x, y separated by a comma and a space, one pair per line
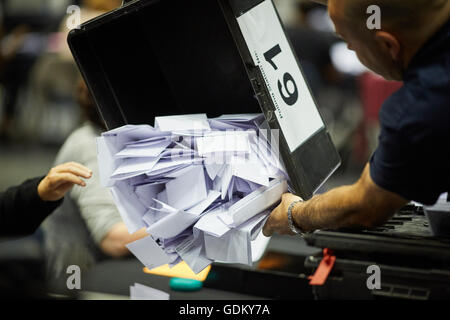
405, 26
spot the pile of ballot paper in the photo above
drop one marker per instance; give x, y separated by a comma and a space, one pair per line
203, 188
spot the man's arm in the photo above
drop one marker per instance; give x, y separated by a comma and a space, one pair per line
362, 204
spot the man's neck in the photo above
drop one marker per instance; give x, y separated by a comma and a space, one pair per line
431, 26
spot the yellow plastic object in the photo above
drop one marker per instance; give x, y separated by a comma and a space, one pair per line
181, 270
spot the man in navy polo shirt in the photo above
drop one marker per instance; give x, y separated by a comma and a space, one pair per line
412, 161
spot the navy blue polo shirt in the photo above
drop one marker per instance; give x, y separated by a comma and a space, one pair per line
412, 159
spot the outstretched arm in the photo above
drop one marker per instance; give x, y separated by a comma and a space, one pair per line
362, 204
24, 207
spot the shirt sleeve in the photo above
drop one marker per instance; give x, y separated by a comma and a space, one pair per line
411, 162
22, 210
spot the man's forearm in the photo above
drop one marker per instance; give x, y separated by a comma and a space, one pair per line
362, 204
332, 210
22, 210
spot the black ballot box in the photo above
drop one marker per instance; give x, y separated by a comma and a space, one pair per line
154, 58
411, 263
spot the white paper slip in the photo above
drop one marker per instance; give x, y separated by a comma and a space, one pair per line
235, 246
223, 141
147, 192
106, 162
226, 181
182, 122
178, 152
203, 205
134, 166
148, 252
132, 132
175, 173
130, 208
188, 189
149, 218
244, 117
222, 125
259, 246
231, 247
143, 151
162, 196
211, 224
172, 224
168, 165
160, 136
141, 292
212, 169
256, 202
251, 172
119, 137
190, 250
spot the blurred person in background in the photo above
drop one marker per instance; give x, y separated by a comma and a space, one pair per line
89, 9
87, 228
55, 76
21, 42
411, 160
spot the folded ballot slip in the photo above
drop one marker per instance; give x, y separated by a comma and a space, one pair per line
203, 188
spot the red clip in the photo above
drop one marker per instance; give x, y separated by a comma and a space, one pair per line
323, 270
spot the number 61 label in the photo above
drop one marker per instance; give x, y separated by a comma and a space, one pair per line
295, 109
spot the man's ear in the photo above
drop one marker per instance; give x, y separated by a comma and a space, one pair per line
389, 43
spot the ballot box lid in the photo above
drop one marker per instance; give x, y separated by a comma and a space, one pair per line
154, 58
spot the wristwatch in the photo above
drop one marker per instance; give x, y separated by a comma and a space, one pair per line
292, 226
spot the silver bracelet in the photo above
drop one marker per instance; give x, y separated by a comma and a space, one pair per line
292, 226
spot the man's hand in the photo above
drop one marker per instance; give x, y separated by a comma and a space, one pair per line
61, 179
278, 221
363, 204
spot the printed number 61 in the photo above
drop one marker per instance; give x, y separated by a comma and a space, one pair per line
289, 98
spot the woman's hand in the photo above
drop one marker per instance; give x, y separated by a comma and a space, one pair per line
61, 179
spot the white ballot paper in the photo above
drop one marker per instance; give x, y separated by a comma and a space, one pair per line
141, 292
203, 188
